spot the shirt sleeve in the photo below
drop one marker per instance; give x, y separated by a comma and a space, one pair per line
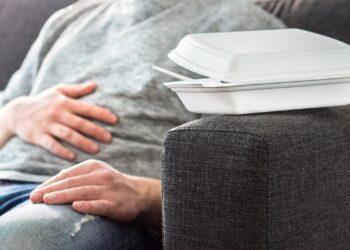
21, 82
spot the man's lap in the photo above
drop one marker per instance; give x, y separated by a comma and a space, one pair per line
39, 226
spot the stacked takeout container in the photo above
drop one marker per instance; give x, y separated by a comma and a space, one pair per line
262, 71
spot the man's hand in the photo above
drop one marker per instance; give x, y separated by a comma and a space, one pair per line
95, 188
57, 114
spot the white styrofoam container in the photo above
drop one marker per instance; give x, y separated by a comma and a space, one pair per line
247, 99
262, 71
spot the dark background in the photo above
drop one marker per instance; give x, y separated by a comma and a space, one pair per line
20, 23
327, 17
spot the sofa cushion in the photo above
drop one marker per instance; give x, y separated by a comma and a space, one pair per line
326, 17
20, 23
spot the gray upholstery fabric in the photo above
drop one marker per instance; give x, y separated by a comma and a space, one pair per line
268, 181
328, 17
20, 23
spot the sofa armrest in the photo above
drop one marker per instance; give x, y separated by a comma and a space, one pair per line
279, 181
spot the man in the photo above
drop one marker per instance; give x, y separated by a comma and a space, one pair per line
87, 88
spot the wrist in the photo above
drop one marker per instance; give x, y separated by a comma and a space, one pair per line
6, 131
11, 110
150, 201
7, 113
145, 197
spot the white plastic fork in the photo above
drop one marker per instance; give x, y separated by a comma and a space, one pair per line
173, 74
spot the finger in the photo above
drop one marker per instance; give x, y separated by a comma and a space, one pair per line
86, 127
94, 207
74, 138
92, 111
54, 147
85, 193
77, 90
77, 181
79, 169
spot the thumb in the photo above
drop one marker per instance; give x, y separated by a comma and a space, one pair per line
77, 90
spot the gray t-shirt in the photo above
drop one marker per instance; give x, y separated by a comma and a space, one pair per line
115, 43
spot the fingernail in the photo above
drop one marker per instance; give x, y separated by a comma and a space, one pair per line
71, 156
93, 147
107, 137
35, 197
79, 205
112, 119
115, 119
50, 197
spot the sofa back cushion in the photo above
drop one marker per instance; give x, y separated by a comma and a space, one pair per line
20, 23
328, 17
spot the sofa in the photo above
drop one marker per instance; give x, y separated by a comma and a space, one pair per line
265, 181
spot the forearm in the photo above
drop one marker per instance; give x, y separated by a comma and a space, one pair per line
5, 133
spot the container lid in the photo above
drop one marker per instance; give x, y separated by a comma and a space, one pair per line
265, 56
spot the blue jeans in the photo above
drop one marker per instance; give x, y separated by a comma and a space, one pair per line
37, 226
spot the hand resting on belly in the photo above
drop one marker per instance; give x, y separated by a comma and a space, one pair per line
57, 114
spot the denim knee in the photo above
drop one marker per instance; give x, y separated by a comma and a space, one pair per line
59, 227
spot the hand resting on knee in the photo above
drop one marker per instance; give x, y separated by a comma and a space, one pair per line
95, 188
